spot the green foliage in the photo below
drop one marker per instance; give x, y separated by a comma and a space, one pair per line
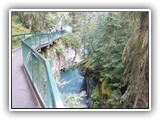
106, 89
108, 39
16, 41
15, 19
59, 48
114, 100
96, 104
89, 63
35, 21
71, 40
50, 19
101, 80
95, 95
18, 29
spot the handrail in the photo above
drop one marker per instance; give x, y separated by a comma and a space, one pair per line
18, 37
16, 40
39, 68
23, 34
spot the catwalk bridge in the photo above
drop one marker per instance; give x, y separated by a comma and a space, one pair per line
37, 88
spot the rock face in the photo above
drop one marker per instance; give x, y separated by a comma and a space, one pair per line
68, 57
64, 60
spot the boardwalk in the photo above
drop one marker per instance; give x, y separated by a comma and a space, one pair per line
22, 93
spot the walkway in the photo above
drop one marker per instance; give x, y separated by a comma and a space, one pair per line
23, 95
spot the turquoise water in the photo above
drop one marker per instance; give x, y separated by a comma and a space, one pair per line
75, 82
73, 89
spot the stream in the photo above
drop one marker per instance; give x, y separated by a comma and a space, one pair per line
73, 89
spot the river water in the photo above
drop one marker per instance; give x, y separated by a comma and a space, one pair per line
73, 89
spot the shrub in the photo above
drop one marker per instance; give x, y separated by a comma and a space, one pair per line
59, 48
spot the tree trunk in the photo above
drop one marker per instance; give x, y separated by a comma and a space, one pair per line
138, 54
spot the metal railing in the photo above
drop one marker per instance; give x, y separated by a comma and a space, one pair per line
39, 68
16, 39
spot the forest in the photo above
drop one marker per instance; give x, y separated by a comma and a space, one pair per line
110, 51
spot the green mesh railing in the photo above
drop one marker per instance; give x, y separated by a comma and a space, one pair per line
16, 39
39, 68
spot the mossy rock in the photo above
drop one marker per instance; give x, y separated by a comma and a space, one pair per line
101, 80
103, 87
89, 63
106, 89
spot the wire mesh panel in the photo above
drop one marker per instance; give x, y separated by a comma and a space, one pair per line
27, 59
39, 75
44, 39
39, 70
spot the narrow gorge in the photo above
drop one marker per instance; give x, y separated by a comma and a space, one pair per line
64, 61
